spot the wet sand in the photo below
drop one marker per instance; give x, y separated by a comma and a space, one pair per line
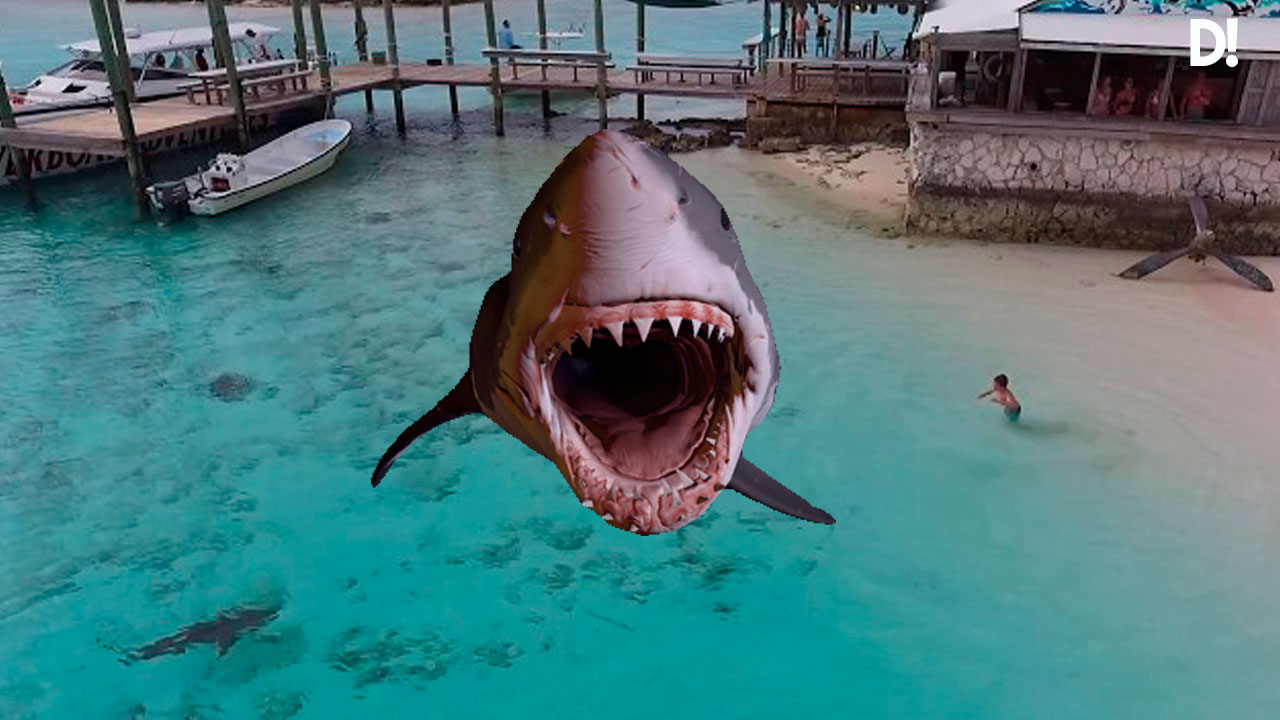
868, 178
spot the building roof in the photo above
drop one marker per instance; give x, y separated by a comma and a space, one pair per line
185, 38
970, 16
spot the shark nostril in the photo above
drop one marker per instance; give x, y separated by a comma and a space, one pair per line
684, 197
635, 182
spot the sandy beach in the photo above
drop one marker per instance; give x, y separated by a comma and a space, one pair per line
868, 178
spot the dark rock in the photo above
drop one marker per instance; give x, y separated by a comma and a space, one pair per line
230, 387
786, 143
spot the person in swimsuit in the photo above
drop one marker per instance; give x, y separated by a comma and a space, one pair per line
1196, 101
1127, 97
1101, 102
1001, 396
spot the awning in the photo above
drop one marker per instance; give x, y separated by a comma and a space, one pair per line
1169, 34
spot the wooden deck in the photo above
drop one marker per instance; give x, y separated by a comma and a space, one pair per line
96, 131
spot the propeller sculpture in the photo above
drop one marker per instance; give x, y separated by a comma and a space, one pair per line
1201, 247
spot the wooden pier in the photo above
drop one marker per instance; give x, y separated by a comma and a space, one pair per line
133, 129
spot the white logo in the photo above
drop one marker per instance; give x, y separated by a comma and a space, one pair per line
1222, 42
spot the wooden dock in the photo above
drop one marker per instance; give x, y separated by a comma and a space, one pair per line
98, 132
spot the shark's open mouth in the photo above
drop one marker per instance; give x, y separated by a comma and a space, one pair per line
639, 399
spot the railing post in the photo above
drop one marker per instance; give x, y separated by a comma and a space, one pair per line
124, 116
122, 49
393, 57
322, 47
299, 33
542, 44
640, 49
18, 156
495, 78
602, 98
362, 47
222, 45
448, 54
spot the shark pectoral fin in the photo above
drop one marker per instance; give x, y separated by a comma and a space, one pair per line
460, 401
757, 485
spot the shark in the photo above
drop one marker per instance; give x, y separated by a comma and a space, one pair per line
222, 632
628, 344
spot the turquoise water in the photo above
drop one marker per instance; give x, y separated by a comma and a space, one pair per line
1085, 564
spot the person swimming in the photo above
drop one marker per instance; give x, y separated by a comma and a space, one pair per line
1001, 395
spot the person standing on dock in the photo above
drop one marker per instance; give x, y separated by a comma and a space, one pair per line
202, 63
800, 32
506, 38
820, 37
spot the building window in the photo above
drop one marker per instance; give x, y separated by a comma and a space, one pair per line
1208, 93
1130, 86
1057, 81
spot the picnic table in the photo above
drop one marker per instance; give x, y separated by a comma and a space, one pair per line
648, 65
575, 59
208, 81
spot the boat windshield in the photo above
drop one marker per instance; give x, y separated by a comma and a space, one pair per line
87, 68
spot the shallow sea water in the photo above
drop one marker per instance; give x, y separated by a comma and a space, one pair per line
1080, 564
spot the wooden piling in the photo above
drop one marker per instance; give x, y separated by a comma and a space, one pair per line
848, 30
299, 33
122, 49
784, 50
448, 54
602, 98
19, 156
393, 57
762, 53
362, 46
639, 49
222, 46
124, 116
495, 77
322, 47
542, 45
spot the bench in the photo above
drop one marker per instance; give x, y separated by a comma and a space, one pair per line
521, 57
295, 78
649, 65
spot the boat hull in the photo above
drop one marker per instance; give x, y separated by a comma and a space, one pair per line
218, 203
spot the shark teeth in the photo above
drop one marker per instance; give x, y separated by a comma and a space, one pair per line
585, 333
643, 325
615, 329
675, 321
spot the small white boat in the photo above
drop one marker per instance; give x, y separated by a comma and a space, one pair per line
234, 180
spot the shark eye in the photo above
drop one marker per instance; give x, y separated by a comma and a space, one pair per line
724, 220
515, 246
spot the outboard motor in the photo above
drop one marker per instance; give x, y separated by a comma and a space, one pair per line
170, 200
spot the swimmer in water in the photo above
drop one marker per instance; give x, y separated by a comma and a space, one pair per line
1001, 396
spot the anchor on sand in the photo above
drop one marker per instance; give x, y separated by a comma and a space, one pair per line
1201, 247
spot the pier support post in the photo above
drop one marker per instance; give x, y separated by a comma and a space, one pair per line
362, 47
640, 49
784, 50
495, 77
19, 157
124, 115
222, 46
393, 57
763, 52
299, 33
542, 45
448, 54
602, 97
848, 30
122, 49
322, 47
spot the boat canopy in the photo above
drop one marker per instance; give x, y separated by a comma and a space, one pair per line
170, 40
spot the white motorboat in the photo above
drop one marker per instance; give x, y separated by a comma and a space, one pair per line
231, 181
159, 61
